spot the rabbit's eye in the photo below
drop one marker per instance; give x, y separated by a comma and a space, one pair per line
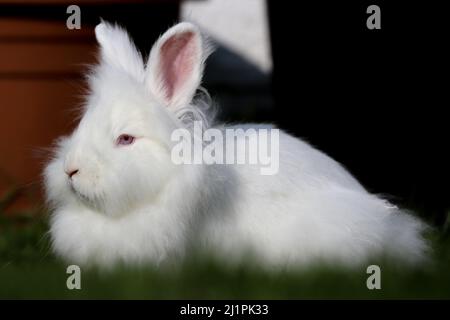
125, 139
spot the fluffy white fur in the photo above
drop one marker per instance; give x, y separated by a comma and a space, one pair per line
131, 204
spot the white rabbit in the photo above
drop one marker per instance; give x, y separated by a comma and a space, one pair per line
117, 196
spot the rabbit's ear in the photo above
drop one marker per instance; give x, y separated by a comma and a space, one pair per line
175, 66
118, 50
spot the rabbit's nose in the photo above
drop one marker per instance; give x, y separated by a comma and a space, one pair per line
71, 172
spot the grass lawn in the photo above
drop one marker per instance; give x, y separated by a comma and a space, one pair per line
28, 270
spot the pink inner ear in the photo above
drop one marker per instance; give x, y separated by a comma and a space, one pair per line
177, 61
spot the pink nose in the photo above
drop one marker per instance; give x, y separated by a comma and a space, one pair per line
70, 173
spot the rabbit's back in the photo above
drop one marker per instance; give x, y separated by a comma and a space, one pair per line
311, 209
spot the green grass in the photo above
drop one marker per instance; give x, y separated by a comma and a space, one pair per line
28, 270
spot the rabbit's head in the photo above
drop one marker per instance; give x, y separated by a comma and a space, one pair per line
119, 155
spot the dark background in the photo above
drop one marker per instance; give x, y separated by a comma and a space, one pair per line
375, 100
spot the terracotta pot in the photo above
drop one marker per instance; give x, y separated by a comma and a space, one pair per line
40, 84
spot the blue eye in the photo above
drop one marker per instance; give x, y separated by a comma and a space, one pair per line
125, 139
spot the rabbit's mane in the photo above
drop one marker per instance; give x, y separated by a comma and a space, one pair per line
202, 108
